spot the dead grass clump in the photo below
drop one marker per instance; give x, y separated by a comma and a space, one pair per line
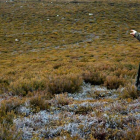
130, 91
66, 83
23, 86
40, 103
95, 78
113, 82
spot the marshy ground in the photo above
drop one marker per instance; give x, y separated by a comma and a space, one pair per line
67, 70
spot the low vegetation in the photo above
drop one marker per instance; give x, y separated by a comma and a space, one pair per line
53, 54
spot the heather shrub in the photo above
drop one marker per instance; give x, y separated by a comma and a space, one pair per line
66, 83
130, 91
23, 86
8, 111
113, 82
93, 77
39, 102
9, 105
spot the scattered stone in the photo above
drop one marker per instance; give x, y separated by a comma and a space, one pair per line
90, 14
16, 40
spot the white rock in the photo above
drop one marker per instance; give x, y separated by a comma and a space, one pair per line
90, 14
16, 40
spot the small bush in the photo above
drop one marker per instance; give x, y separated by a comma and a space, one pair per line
130, 91
10, 105
66, 83
113, 82
95, 78
39, 102
23, 86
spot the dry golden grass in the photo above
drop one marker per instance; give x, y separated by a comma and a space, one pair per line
49, 48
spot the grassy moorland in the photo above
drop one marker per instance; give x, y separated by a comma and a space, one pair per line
53, 54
